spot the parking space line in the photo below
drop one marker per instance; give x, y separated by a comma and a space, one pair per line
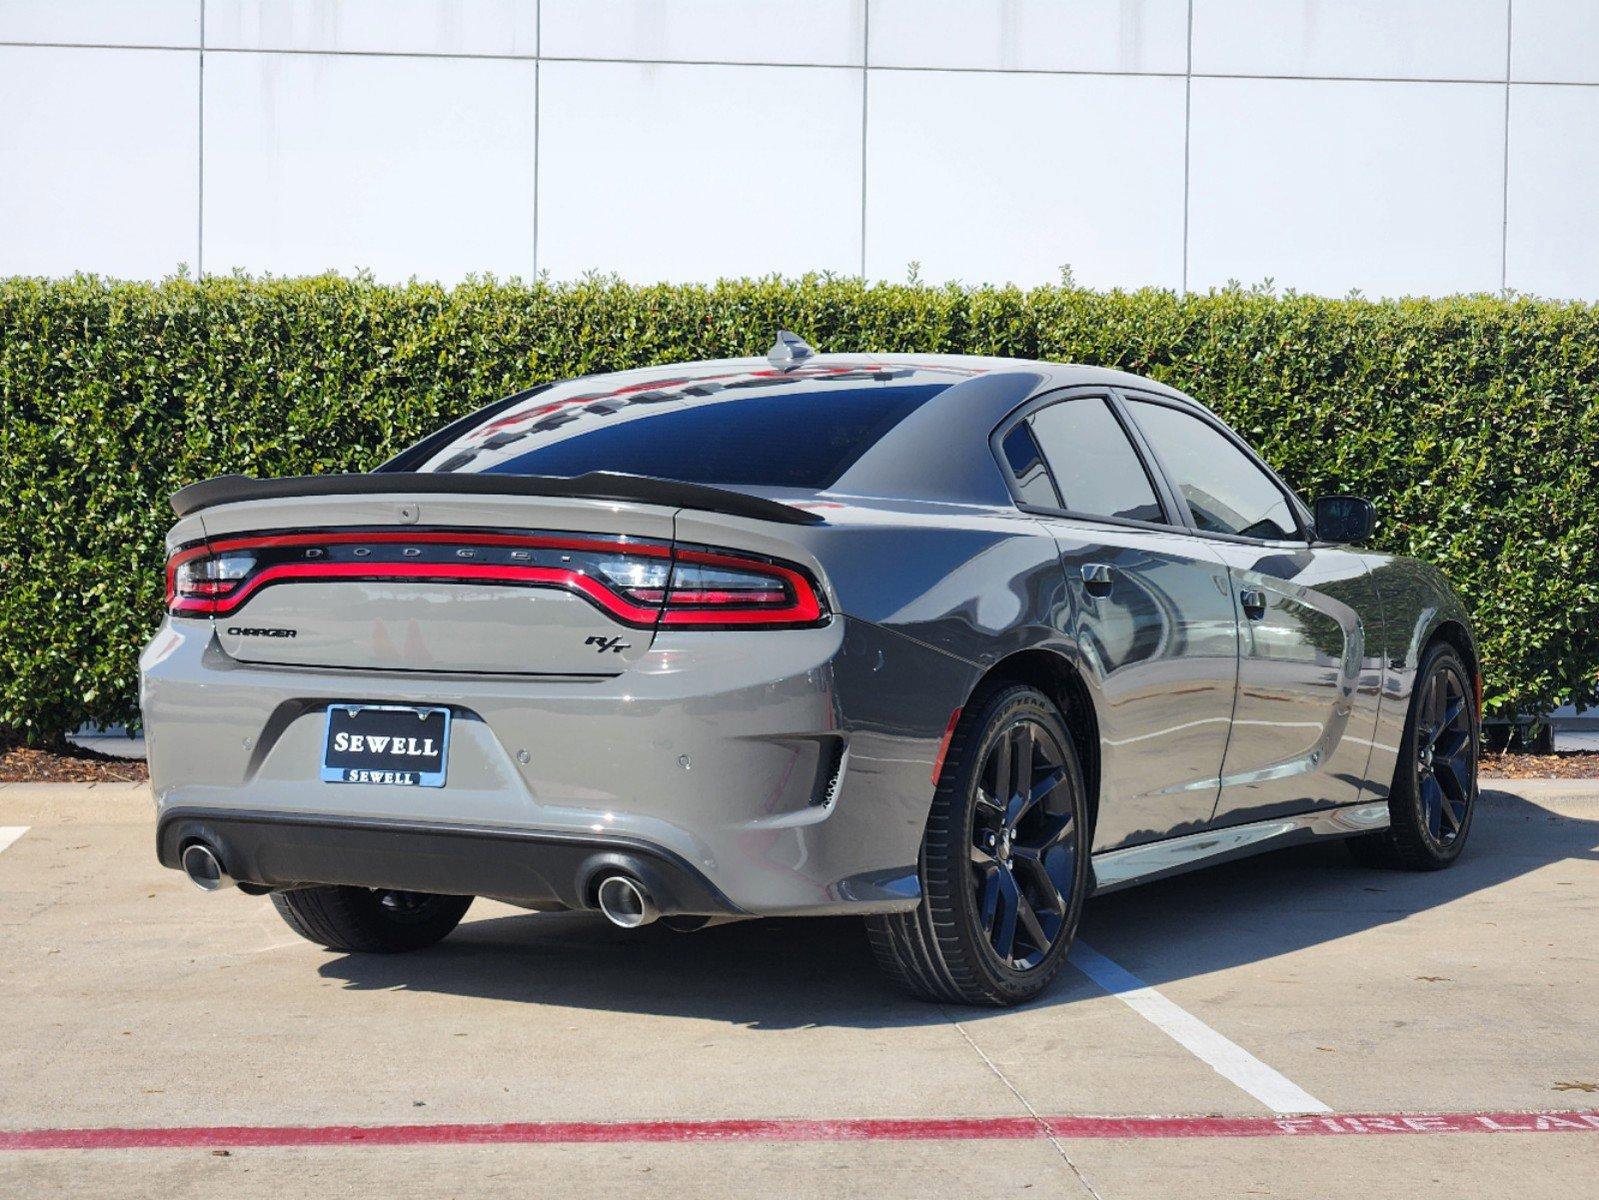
1228, 1059
10, 833
868, 1129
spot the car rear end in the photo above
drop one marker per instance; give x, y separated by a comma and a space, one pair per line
505, 696
498, 667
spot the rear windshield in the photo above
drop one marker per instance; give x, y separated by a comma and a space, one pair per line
757, 431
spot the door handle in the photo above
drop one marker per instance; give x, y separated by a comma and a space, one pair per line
1254, 602
1097, 578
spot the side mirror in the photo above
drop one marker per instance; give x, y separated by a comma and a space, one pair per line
1347, 520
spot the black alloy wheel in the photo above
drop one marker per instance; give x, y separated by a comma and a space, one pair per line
1434, 793
1024, 842
1445, 754
1004, 861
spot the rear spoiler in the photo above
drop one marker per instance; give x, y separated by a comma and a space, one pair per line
596, 485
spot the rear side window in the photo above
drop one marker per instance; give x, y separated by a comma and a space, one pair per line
1095, 466
1027, 465
1225, 490
755, 433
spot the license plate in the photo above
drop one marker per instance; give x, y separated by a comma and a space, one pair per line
386, 743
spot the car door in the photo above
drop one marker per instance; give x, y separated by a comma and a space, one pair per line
1310, 668
1151, 615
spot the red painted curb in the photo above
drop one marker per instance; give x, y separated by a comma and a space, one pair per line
875, 1129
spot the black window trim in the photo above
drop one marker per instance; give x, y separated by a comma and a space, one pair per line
1157, 481
1296, 507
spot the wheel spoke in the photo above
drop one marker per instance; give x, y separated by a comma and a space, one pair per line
999, 785
1030, 925
1046, 887
1057, 828
1019, 797
1038, 791
988, 899
982, 857
1454, 745
1004, 926
984, 800
1451, 715
1432, 803
1452, 782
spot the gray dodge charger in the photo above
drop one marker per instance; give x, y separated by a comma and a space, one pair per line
951, 643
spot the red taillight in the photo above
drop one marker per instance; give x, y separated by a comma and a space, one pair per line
725, 590
199, 581
640, 583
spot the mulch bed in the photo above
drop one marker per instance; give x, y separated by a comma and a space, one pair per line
1572, 764
71, 764
67, 764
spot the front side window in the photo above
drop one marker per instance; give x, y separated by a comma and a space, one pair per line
1095, 466
1226, 491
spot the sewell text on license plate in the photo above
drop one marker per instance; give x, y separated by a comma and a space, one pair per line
386, 743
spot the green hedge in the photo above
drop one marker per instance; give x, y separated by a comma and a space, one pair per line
1472, 422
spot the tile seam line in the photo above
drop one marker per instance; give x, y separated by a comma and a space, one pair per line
866, 82
1067, 72
1188, 142
199, 180
1504, 178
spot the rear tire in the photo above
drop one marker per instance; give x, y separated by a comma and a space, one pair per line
1004, 861
364, 921
1434, 795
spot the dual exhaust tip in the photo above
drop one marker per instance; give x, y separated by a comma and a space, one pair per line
204, 868
625, 901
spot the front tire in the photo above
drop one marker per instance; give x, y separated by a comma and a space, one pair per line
367, 921
1004, 861
1434, 795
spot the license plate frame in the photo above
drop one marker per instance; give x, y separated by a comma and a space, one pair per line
382, 766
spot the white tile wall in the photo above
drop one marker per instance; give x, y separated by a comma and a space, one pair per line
694, 172
399, 135
382, 26
1555, 41
1085, 171
1552, 232
1049, 35
401, 166
99, 161
818, 32
102, 22
1404, 39
1391, 188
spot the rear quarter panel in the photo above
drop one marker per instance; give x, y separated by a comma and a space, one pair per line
932, 597
1417, 602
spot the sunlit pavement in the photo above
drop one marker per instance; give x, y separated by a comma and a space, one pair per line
767, 1058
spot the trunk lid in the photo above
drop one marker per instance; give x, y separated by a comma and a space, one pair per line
434, 582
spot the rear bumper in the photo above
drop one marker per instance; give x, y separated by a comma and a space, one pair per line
783, 773
275, 850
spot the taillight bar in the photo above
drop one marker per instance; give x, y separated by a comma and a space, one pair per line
642, 583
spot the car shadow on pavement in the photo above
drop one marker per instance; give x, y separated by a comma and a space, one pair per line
785, 974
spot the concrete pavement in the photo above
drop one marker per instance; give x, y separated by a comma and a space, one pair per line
133, 1000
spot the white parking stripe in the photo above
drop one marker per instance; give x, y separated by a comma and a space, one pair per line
1228, 1059
10, 833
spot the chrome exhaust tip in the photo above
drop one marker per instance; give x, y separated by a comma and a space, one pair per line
204, 868
625, 902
